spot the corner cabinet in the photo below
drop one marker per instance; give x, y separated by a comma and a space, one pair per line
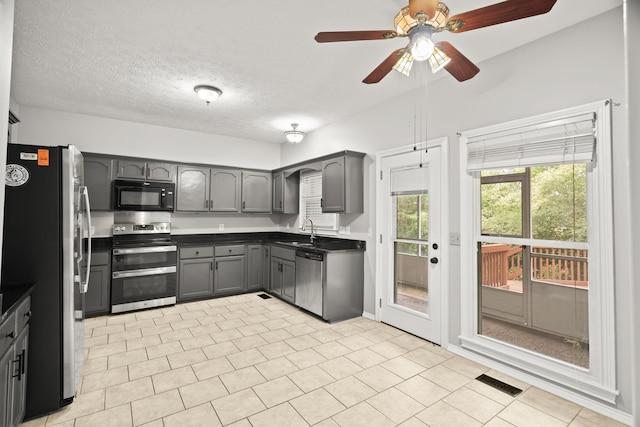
256, 191
286, 193
98, 178
140, 169
342, 184
14, 351
98, 296
195, 278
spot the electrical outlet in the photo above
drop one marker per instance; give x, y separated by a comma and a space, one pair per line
454, 239
221, 227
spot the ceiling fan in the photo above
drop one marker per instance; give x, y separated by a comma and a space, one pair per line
423, 18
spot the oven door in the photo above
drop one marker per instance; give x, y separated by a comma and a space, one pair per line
143, 257
143, 288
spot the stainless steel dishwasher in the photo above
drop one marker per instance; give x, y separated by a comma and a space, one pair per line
309, 279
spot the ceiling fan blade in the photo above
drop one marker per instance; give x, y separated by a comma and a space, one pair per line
385, 67
460, 66
510, 10
427, 6
348, 36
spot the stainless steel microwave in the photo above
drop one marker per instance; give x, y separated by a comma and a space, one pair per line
143, 195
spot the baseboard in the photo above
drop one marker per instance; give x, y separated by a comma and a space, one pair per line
368, 315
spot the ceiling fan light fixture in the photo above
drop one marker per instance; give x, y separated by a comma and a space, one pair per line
294, 135
404, 64
438, 60
207, 93
404, 22
422, 47
439, 20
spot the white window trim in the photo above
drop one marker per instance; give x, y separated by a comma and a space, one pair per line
599, 380
318, 228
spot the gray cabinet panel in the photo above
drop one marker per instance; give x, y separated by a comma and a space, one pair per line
196, 278
256, 191
19, 382
225, 190
288, 280
278, 192
275, 281
98, 296
229, 275
192, 190
161, 171
5, 379
98, 179
342, 185
254, 267
266, 266
131, 169
286, 193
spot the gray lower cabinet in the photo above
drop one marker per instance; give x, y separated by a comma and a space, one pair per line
195, 273
98, 296
254, 256
98, 178
283, 273
266, 266
229, 269
14, 350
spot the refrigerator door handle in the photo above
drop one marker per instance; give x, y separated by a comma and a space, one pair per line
84, 192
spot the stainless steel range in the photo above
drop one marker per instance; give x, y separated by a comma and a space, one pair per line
143, 261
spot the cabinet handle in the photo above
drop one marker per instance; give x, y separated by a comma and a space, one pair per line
197, 253
28, 314
216, 265
11, 335
321, 202
210, 204
244, 204
206, 204
280, 204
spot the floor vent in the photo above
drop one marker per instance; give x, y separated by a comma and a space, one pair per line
264, 296
504, 387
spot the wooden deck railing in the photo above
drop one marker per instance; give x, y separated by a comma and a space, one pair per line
502, 263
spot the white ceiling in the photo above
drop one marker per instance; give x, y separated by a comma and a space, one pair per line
139, 60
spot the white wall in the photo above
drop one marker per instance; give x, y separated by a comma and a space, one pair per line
553, 73
6, 47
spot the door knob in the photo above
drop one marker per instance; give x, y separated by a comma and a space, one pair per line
434, 260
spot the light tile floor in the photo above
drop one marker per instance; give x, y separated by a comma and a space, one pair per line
246, 361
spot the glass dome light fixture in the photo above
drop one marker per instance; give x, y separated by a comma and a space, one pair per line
294, 135
421, 46
207, 93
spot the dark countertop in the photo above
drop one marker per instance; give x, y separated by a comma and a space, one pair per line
12, 297
290, 240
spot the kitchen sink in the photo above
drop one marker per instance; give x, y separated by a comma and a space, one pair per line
302, 245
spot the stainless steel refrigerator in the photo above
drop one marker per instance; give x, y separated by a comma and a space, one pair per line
46, 241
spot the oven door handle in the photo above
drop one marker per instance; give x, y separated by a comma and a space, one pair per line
143, 272
145, 250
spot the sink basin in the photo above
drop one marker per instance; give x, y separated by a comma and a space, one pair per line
303, 245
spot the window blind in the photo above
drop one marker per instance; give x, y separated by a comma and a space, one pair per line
414, 180
565, 140
310, 197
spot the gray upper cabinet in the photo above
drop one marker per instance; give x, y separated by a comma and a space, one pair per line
342, 184
98, 179
141, 169
256, 191
225, 190
286, 193
192, 189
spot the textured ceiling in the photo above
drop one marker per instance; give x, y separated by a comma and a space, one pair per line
139, 60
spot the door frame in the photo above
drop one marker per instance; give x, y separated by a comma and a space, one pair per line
381, 197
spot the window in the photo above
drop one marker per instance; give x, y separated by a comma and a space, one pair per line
536, 249
310, 199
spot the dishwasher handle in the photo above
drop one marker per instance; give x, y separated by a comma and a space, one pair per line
314, 256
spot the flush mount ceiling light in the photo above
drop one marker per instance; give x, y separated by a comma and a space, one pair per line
207, 93
294, 136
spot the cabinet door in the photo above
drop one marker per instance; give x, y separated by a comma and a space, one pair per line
278, 192
161, 171
275, 282
266, 266
196, 278
256, 192
288, 280
19, 380
98, 297
254, 267
225, 191
229, 276
333, 197
97, 178
192, 190
131, 169
5, 381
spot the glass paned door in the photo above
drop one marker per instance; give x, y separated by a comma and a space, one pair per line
410, 295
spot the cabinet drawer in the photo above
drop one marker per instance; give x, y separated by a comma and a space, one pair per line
23, 314
229, 250
7, 332
196, 252
100, 258
283, 253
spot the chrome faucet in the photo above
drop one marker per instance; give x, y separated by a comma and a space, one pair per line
313, 232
